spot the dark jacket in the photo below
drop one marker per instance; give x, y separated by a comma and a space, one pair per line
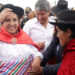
23, 22
54, 49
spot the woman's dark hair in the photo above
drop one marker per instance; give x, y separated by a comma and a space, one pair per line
64, 28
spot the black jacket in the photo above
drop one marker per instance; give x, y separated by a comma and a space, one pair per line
54, 49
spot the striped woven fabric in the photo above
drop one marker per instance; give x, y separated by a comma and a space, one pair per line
17, 67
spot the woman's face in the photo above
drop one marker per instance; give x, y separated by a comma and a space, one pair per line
11, 24
63, 36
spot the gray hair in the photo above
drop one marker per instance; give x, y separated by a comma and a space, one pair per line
42, 5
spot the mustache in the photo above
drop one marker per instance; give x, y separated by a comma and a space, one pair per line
42, 19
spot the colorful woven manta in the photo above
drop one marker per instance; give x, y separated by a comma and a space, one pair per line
18, 67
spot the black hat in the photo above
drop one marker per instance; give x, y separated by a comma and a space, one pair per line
18, 10
61, 5
65, 18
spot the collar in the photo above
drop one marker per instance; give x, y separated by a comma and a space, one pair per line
20, 38
36, 20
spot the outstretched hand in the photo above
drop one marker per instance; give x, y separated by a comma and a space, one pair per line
41, 45
36, 69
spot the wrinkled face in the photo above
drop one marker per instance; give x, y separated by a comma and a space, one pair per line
63, 36
11, 24
42, 16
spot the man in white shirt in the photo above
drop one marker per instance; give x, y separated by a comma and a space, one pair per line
39, 28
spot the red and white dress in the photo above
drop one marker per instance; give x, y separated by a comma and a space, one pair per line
16, 57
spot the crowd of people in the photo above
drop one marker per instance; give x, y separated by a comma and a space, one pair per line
40, 42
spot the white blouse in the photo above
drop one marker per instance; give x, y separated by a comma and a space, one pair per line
10, 52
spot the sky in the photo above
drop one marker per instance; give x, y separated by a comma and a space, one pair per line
31, 3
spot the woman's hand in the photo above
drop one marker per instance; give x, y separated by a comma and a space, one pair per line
41, 45
36, 69
4, 13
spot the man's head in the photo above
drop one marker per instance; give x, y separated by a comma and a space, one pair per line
42, 10
27, 11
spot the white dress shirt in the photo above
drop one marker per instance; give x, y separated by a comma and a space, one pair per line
38, 32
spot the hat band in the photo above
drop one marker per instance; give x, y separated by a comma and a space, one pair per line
66, 22
62, 6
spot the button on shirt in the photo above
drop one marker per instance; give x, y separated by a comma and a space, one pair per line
38, 32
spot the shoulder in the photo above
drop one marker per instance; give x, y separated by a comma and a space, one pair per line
68, 64
69, 57
34, 20
69, 60
30, 24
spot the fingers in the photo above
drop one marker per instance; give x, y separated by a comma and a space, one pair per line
7, 10
4, 13
41, 45
36, 62
32, 72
